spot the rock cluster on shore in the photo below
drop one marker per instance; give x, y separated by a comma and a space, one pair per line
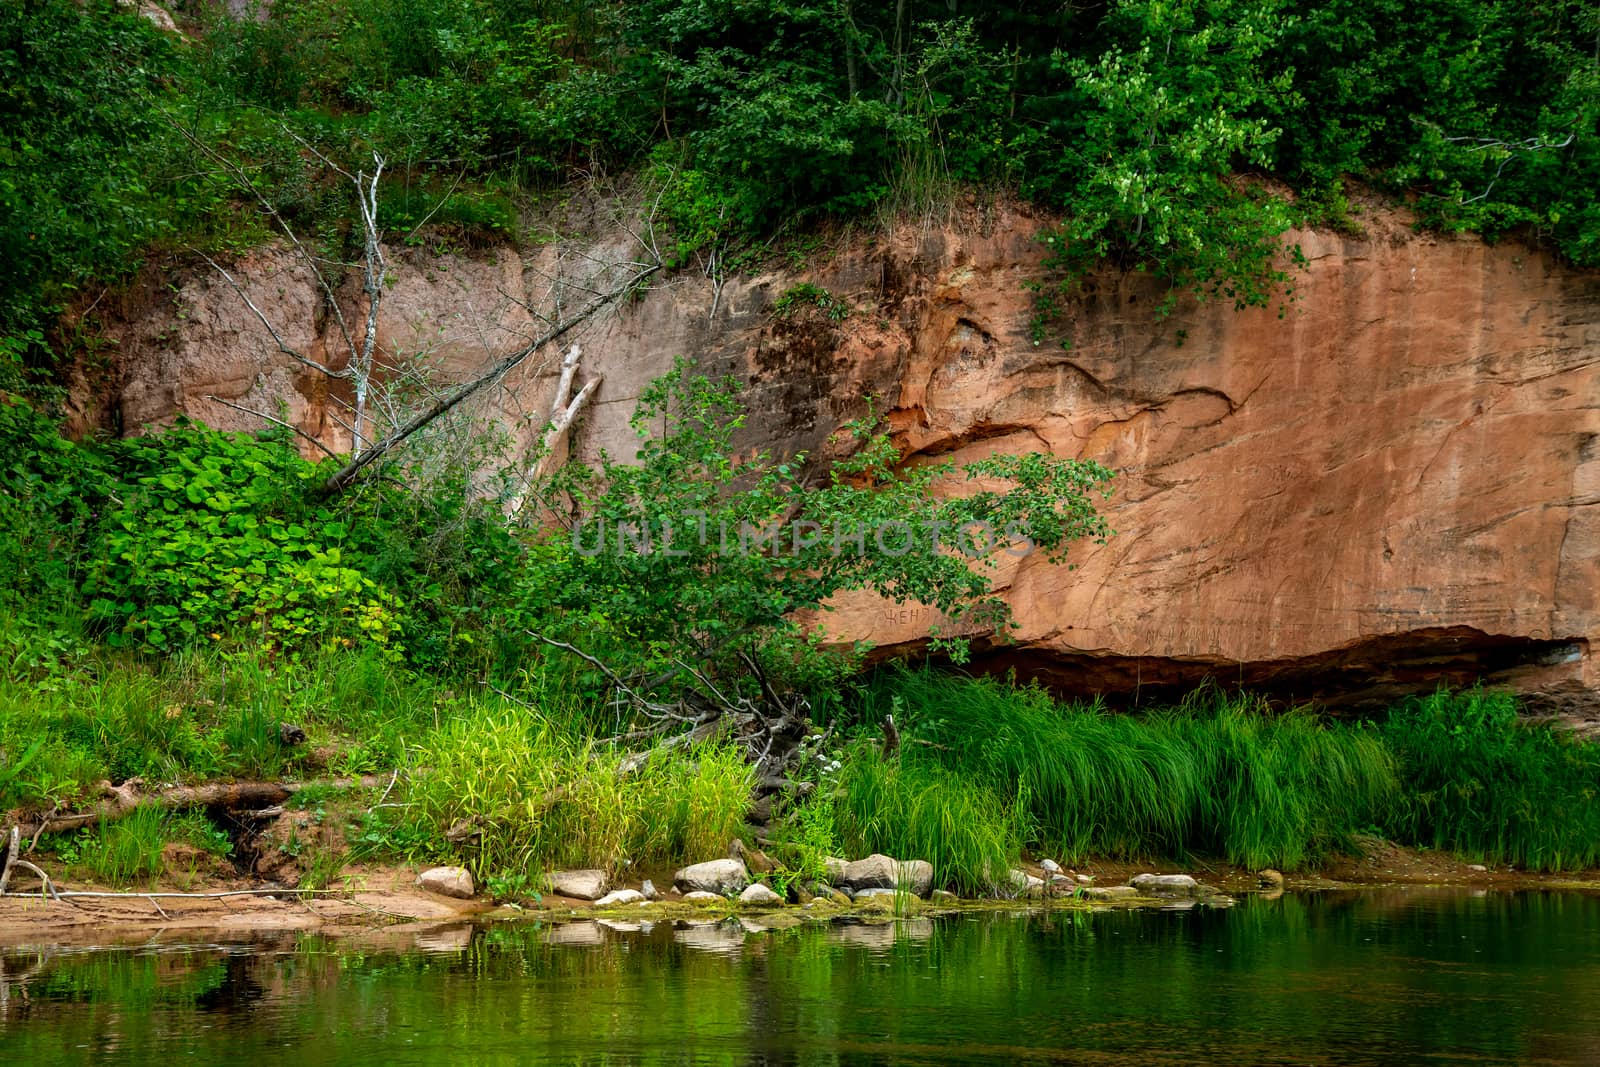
874, 882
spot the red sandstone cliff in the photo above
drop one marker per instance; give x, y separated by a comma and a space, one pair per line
1392, 484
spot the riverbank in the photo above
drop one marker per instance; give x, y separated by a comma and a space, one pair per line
384, 901
360, 770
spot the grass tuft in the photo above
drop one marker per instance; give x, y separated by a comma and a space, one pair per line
1213, 776
1490, 787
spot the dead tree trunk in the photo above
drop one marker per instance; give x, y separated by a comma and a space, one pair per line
551, 451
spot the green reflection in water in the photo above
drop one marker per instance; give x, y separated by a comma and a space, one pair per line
1374, 977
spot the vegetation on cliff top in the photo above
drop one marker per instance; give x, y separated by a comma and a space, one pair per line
1143, 121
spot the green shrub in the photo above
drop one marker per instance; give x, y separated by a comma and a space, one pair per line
52, 495
213, 532
1484, 784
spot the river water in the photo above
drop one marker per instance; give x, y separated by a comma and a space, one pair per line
1374, 977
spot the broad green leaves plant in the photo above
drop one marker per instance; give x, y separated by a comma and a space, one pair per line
211, 536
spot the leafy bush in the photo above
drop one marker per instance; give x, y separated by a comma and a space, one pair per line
78, 144
694, 553
1168, 115
52, 493
213, 533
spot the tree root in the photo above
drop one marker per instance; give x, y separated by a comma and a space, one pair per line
13, 860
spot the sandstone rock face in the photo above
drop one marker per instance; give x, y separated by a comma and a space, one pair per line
447, 881
1392, 485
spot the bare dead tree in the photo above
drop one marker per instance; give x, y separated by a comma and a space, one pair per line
551, 450
361, 351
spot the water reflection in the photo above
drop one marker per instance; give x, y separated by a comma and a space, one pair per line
1349, 978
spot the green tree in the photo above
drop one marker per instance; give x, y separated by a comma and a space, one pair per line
1169, 119
686, 567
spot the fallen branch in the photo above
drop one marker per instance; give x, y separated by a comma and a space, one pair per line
13, 863
124, 799
81, 894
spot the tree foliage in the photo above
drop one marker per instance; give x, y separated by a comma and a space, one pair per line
692, 552
1147, 123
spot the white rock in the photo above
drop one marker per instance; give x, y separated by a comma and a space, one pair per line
758, 895
877, 871
447, 881
1477, 867
588, 884
1050, 865
1086, 879
713, 876
1110, 892
1166, 884
1025, 884
916, 876
649, 890
620, 896
700, 896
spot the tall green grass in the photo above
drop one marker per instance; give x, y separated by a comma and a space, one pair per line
1213, 776
1481, 783
130, 850
539, 796
915, 808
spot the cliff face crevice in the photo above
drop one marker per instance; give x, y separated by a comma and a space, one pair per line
1390, 485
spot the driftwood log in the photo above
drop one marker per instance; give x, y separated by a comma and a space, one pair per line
122, 800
